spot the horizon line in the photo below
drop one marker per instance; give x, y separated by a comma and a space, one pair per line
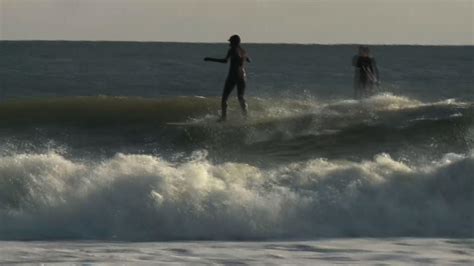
264, 43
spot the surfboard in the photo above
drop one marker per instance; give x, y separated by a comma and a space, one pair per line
230, 123
213, 123
183, 124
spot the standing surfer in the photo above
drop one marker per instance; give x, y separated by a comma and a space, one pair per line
236, 76
356, 82
367, 74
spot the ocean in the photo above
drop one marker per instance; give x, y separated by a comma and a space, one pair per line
110, 152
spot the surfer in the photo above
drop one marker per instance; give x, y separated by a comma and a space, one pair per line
367, 74
236, 76
356, 82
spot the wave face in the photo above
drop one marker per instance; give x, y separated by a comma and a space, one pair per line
144, 197
286, 130
136, 169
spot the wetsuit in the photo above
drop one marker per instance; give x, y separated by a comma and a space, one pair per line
236, 77
368, 74
356, 81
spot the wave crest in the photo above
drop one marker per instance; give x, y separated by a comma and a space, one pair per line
144, 197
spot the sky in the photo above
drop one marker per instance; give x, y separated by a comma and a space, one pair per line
437, 22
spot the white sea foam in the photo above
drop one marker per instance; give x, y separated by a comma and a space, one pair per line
355, 251
144, 197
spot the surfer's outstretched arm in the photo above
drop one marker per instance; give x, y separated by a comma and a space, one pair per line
215, 60
218, 60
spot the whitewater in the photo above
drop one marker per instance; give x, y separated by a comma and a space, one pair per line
106, 157
49, 196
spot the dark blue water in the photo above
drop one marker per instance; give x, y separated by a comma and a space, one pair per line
45, 69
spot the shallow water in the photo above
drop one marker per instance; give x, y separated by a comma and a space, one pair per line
364, 251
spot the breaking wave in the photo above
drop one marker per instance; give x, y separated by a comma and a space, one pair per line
163, 169
280, 129
145, 197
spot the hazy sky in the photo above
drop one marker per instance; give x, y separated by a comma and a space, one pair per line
288, 21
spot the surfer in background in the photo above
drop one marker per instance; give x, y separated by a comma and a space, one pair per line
366, 75
356, 83
236, 76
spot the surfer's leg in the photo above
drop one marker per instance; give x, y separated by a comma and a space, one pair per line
357, 86
240, 94
370, 89
229, 85
364, 90
357, 91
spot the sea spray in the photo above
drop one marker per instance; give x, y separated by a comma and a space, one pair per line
144, 197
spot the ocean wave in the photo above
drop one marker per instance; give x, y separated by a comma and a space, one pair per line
111, 110
145, 197
284, 129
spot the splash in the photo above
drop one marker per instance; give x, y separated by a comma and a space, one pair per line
145, 197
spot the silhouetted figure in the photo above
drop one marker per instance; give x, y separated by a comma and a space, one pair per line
367, 73
236, 76
356, 82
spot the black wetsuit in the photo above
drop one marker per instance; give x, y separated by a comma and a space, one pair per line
236, 77
356, 80
368, 74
